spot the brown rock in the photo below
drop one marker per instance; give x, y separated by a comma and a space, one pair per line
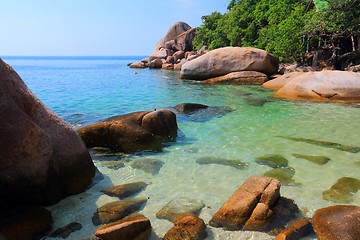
300, 228
225, 60
236, 211
117, 210
131, 132
187, 227
178, 56
280, 82
156, 63
175, 30
168, 66
134, 227
243, 77
19, 223
138, 65
183, 42
125, 190
42, 158
322, 86
340, 222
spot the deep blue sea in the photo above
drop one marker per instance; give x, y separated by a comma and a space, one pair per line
247, 125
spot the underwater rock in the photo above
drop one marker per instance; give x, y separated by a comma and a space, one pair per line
42, 158
250, 205
113, 164
189, 107
298, 229
337, 222
273, 161
284, 175
148, 165
256, 102
133, 227
343, 190
320, 160
222, 161
188, 226
23, 223
65, 231
117, 210
132, 132
178, 207
125, 190
337, 146
357, 163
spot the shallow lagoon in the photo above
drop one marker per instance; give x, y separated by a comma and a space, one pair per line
84, 90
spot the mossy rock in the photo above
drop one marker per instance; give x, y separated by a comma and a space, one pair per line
222, 161
343, 190
284, 175
273, 161
320, 160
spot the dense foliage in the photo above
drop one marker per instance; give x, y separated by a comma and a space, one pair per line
287, 28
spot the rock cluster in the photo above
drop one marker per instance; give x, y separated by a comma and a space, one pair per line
172, 49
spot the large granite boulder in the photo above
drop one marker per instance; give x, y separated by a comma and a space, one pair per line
132, 132
225, 60
249, 208
337, 222
42, 158
326, 85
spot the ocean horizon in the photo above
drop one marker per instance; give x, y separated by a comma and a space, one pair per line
245, 124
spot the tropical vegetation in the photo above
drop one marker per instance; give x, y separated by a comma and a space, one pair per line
293, 30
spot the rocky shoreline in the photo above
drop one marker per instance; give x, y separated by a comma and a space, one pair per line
52, 161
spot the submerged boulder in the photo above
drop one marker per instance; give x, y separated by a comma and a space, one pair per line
225, 60
132, 132
337, 222
188, 226
178, 207
42, 158
326, 85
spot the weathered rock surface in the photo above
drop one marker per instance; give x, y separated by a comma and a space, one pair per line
225, 60
65, 231
337, 223
117, 210
148, 165
343, 190
134, 227
221, 161
42, 158
281, 81
320, 86
250, 205
298, 229
19, 223
125, 190
138, 65
132, 132
187, 226
178, 207
240, 78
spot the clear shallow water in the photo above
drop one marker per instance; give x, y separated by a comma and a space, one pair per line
83, 90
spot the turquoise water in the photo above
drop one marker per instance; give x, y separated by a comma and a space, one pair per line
83, 90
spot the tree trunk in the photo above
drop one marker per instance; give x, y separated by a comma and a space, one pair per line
358, 48
353, 43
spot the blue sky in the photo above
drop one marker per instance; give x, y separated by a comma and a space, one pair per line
94, 27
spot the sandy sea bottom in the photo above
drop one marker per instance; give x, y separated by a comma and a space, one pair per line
85, 90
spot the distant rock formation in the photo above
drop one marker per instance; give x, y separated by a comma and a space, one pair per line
42, 158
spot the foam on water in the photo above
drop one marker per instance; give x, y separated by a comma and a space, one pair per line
86, 90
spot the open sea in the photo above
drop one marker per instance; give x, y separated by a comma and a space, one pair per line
248, 124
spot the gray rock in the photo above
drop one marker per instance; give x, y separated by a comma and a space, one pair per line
178, 207
148, 165
65, 231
